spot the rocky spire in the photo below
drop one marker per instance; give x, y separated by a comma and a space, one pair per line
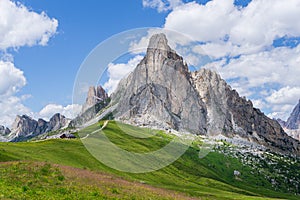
159, 92
94, 96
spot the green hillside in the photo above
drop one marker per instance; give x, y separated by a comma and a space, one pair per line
209, 178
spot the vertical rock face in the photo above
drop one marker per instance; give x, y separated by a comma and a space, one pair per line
95, 95
293, 121
97, 99
292, 125
57, 121
160, 92
229, 114
212, 90
23, 126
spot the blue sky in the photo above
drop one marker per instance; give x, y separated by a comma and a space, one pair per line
251, 44
50, 70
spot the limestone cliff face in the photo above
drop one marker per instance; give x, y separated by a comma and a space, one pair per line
229, 114
96, 100
57, 121
292, 125
23, 126
160, 92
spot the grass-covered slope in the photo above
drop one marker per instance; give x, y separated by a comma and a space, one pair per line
209, 178
32, 180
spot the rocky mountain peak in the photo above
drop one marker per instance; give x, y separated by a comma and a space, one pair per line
292, 125
22, 126
95, 95
58, 121
158, 42
25, 127
162, 93
293, 121
160, 54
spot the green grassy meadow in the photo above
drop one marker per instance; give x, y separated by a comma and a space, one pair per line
41, 170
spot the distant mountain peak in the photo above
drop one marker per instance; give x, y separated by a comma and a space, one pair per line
293, 121
94, 96
25, 127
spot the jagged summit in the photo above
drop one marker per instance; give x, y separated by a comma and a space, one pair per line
95, 95
162, 93
159, 42
292, 125
25, 127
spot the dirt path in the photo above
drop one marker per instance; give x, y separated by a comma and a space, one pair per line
103, 127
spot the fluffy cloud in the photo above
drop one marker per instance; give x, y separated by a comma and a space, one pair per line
281, 102
12, 78
279, 65
10, 107
162, 5
271, 76
69, 111
209, 22
20, 26
118, 71
286, 95
253, 27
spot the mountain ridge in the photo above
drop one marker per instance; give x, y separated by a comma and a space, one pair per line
25, 127
162, 93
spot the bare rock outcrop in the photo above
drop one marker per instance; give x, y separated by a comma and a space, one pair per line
160, 92
292, 125
229, 114
95, 95
293, 121
96, 100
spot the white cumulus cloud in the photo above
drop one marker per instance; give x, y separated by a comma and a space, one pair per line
162, 5
69, 111
20, 26
12, 79
10, 107
251, 28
